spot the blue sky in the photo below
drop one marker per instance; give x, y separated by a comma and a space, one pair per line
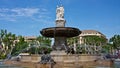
28, 17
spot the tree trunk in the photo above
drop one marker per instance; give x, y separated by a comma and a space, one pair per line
118, 53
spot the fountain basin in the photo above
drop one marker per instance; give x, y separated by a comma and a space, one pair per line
60, 32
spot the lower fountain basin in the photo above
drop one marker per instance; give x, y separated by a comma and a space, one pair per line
60, 32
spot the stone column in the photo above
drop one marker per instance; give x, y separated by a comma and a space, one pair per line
60, 43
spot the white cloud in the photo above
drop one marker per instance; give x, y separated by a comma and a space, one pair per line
25, 11
15, 13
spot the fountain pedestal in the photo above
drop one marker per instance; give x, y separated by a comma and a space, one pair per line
60, 43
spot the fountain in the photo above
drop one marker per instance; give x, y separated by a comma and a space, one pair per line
60, 33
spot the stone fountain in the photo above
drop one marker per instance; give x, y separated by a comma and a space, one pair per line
60, 33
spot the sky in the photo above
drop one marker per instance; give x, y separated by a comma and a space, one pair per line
29, 17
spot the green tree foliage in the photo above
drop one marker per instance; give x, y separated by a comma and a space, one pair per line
20, 46
80, 49
94, 40
39, 48
72, 41
116, 41
7, 38
44, 40
107, 48
92, 44
14, 45
45, 44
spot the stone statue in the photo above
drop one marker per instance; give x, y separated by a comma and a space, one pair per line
46, 58
60, 13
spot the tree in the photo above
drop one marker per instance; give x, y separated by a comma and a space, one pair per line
20, 46
7, 38
116, 42
107, 48
2, 51
44, 40
95, 42
72, 41
45, 44
2, 35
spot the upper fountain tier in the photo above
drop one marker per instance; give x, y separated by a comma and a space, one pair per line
60, 33
60, 30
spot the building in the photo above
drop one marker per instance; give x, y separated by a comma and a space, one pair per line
27, 38
30, 38
90, 33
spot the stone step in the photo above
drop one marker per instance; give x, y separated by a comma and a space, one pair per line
69, 67
68, 64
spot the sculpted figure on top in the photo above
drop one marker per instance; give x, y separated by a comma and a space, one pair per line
59, 13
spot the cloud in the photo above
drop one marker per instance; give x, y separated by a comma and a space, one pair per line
16, 13
25, 11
